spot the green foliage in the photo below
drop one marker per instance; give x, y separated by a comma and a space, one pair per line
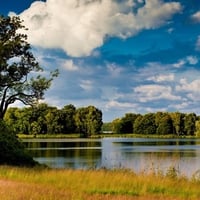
197, 127
12, 152
44, 119
164, 125
127, 122
189, 124
116, 126
88, 121
67, 119
19, 71
145, 124
178, 122
160, 123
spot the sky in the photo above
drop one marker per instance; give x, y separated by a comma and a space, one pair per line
121, 56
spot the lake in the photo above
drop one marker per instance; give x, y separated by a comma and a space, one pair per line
138, 154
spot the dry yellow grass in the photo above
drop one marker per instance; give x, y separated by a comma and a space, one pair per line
34, 184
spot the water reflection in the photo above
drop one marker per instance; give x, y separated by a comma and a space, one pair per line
138, 154
145, 154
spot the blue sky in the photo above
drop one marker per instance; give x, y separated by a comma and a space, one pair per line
121, 56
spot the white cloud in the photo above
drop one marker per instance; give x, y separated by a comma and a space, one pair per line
180, 106
179, 64
80, 26
162, 78
70, 66
114, 70
191, 60
193, 86
120, 105
196, 16
86, 85
154, 92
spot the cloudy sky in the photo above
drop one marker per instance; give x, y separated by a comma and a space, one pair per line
119, 55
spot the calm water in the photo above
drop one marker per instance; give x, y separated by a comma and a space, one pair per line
138, 154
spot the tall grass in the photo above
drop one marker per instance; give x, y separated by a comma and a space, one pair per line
47, 184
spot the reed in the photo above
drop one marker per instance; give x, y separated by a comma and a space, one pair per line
47, 184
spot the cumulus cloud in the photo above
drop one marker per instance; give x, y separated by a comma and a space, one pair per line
120, 105
86, 85
154, 92
193, 86
162, 78
70, 66
80, 26
191, 60
196, 16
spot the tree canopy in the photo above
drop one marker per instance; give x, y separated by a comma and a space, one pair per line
20, 73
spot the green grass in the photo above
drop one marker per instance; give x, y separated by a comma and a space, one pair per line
69, 184
127, 135
43, 136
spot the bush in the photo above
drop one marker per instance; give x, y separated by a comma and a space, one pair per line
12, 151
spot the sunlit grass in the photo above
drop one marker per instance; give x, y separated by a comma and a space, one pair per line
127, 135
47, 184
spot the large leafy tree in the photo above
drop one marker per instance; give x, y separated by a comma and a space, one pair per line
20, 73
88, 121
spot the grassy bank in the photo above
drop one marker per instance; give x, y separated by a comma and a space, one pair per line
47, 184
127, 135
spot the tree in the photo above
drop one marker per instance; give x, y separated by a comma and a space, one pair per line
189, 123
93, 120
88, 120
116, 126
127, 122
197, 127
67, 120
164, 125
19, 71
12, 151
145, 124
178, 122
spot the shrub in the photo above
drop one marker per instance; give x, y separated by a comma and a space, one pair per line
12, 151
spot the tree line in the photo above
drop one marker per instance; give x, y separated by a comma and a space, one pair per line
160, 123
87, 121
45, 119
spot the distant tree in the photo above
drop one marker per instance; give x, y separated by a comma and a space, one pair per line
189, 123
197, 127
116, 126
88, 120
19, 71
178, 123
52, 120
68, 121
107, 127
145, 124
93, 120
127, 122
164, 125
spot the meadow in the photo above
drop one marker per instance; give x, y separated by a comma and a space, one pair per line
52, 184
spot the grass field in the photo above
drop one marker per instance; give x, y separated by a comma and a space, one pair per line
53, 184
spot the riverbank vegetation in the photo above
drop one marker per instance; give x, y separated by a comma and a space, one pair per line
43, 120
24, 183
12, 151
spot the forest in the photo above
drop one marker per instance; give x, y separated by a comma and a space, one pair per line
159, 123
87, 121
44, 119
